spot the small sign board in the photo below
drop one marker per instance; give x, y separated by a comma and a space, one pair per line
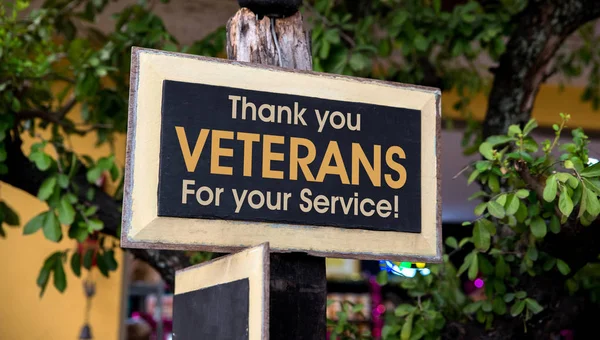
224, 155
224, 299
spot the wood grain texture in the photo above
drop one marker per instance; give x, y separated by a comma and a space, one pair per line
250, 40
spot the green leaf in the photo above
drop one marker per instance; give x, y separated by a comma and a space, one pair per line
486, 306
501, 268
332, 35
111, 262
404, 309
565, 205
591, 171
521, 213
517, 308
52, 230
481, 237
95, 224
554, 224
593, 185
78, 233
464, 241
66, 213
499, 306
514, 130
522, 193
76, 264
407, 327
496, 209
466, 263
512, 204
583, 203
486, 150
521, 294
421, 43
473, 176
489, 225
593, 205
532, 253
10, 216
47, 188
42, 160
114, 172
480, 208
533, 306
101, 264
451, 242
94, 174
34, 224
502, 199
359, 61
532, 124
477, 195
508, 297
550, 189
472, 307
473, 268
87, 259
538, 227
549, 264
569, 164
382, 278
498, 140
44, 275
63, 181
494, 183
563, 267
60, 279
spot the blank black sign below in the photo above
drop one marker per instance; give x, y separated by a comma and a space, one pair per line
215, 313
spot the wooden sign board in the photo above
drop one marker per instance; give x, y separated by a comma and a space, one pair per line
224, 155
224, 299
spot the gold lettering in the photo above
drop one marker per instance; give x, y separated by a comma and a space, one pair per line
333, 152
269, 156
217, 152
248, 139
191, 158
301, 163
359, 158
399, 168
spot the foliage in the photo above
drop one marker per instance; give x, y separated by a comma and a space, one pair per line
433, 300
47, 66
342, 328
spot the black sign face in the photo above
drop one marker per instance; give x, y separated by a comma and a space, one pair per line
218, 312
236, 154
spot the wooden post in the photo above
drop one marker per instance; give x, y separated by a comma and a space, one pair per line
298, 295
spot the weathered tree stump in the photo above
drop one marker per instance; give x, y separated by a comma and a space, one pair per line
250, 39
298, 287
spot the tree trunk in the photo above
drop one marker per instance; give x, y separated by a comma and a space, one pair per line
251, 40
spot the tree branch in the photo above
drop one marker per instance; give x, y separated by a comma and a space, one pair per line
58, 119
541, 29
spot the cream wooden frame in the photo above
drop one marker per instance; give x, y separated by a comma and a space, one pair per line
252, 263
142, 228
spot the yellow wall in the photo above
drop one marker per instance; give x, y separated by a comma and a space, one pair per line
23, 315
549, 103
